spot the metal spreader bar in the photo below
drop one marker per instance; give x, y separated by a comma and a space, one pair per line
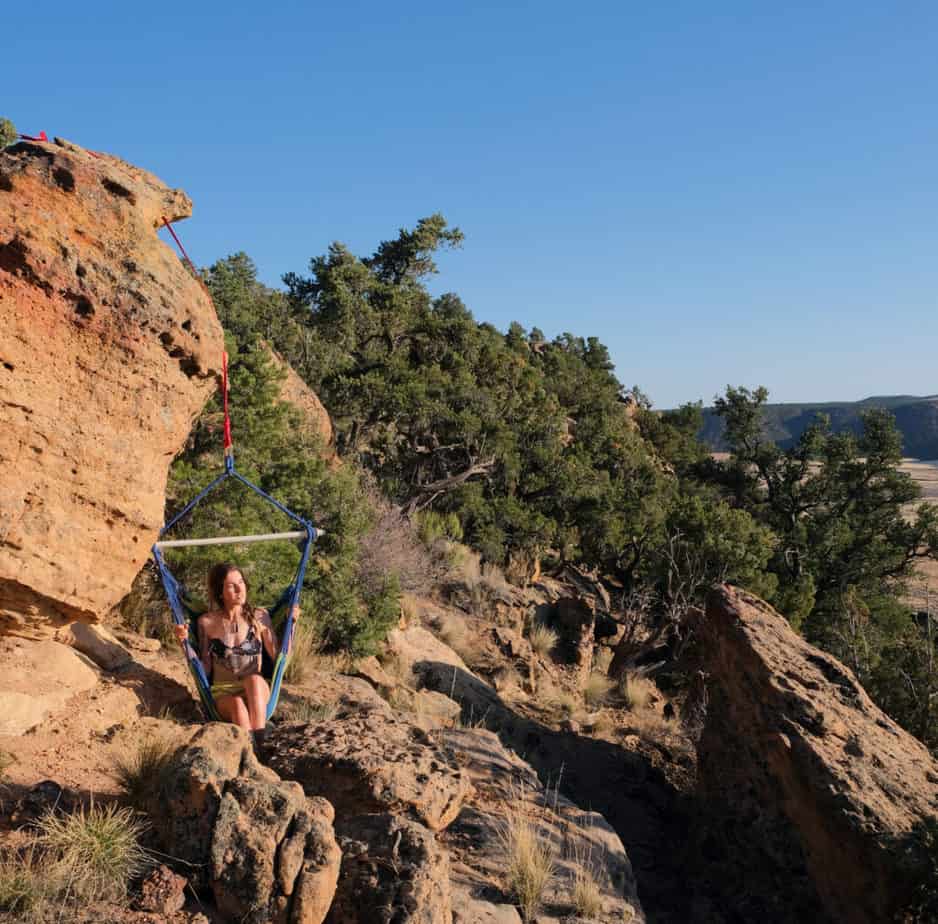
232, 540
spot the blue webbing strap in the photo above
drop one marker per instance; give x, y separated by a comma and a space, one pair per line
171, 586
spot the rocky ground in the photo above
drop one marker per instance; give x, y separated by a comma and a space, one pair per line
393, 786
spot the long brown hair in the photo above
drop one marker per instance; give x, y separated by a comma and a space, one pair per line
216, 588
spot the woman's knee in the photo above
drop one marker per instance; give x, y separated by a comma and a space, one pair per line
256, 687
234, 709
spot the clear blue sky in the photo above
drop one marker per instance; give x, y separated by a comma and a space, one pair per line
722, 192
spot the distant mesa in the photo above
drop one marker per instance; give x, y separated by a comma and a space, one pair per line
916, 418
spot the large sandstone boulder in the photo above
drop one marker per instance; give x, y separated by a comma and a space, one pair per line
372, 763
268, 853
393, 872
39, 678
108, 350
808, 771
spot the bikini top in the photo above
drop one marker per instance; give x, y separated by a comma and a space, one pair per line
239, 660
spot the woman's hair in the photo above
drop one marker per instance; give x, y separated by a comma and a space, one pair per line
216, 587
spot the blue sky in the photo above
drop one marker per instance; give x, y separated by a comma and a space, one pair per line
723, 193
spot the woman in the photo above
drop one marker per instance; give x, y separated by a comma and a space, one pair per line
232, 636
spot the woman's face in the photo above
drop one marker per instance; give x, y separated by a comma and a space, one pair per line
234, 591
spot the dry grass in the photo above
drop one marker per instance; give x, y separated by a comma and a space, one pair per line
602, 660
585, 895
651, 725
308, 712
494, 579
96, 852
398, 670
305, 648
29, 884
596, 689
555, 697
543, 639
529, 860
507, 678
144, 771
637, 691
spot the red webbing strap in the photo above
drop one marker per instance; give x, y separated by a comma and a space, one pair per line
224, 356
40, 137
224, 391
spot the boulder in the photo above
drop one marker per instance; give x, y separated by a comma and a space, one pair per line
97, 643
415, 644
507, 789
315, 417
371, 763
162, 892
39, 678
267, 852
806, 773
108, 350
393, 872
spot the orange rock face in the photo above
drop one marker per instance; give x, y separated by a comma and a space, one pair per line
108, 350
809, 768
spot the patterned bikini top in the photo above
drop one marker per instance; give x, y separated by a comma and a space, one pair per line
240, 660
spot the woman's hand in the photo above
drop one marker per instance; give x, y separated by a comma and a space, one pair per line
181, 633
295, 613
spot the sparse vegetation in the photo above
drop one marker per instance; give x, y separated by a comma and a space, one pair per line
8, 133
307, 711
96, 851
143, 771
585, 895
28, 884
529, 860
636, 691
305, 647
543, 639
596, 689
557, 698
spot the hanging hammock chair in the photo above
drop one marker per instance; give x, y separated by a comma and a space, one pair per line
186, 611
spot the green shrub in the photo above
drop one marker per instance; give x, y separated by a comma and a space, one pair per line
97, 850
8, 133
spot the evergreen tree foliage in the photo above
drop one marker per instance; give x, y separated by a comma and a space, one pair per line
8, 133
849, 532
276, 451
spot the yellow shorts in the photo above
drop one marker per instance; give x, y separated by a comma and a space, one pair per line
230, 688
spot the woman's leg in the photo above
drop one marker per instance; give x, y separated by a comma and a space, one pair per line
257, 694
233, 709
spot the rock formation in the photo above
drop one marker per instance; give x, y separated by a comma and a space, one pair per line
816, 780
108, 350
268, 853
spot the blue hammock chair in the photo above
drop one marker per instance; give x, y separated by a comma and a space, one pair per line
186, 612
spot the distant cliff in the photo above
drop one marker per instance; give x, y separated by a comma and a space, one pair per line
916, 417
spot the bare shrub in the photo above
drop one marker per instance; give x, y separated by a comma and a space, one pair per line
494, 579
529, 860
543, 639
596, 689
392, 547
637, 691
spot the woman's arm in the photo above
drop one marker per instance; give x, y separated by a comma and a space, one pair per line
268, 636
204, 642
